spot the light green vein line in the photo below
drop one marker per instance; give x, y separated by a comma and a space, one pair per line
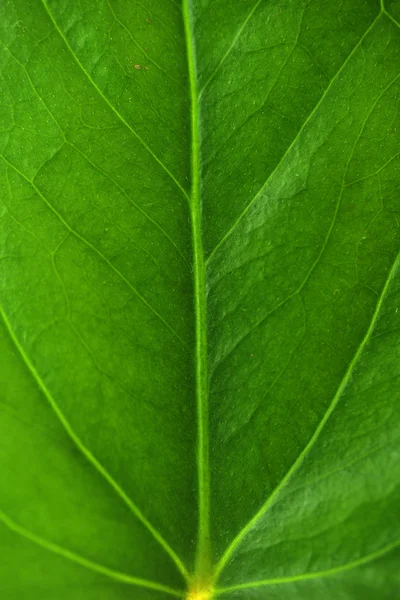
346, 378
317, 575
328, 234
94, 249
86, 452
112, 107
296, 138
389, 15
84, 562
233, 44
199, 274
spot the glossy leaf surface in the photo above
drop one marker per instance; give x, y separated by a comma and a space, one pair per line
200, 292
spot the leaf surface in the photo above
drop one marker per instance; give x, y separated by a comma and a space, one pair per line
199, 290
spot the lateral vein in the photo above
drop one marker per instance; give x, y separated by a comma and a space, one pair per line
123, 26
385, 12
90, 162
86, 452
85, 562
298, 462
231, 47
316, 575
107, 101
288, 150
94, 249
327, 236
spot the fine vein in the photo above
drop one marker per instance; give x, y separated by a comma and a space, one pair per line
94, 249
86, 452
296, 465
84, 562
199, 273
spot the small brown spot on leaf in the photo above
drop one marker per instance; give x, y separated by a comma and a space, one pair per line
137, 67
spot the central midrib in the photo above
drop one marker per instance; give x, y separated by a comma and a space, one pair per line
203, 562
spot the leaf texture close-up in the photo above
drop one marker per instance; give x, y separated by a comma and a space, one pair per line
199, 299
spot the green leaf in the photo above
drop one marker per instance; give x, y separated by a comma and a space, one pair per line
200, 293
